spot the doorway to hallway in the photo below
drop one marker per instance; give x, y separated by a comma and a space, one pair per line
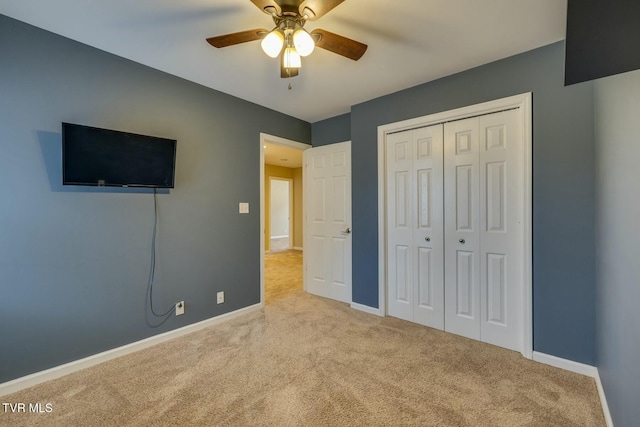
281, 218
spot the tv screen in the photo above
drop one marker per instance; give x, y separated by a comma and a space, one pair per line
102, 157
603, 39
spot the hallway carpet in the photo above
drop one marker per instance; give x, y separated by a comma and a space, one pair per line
282, 274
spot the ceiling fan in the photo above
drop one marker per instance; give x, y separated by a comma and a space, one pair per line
289, 40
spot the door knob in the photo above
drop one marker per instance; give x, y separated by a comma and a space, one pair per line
461, 241
347, 231
427, 239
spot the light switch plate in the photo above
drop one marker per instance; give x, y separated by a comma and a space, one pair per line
243, 208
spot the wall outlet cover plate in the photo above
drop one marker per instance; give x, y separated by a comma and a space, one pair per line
179, 308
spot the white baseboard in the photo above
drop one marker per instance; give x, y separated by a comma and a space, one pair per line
68, 368
603, 401
569, 365
580, 368
297, 248
366, 309
280, 237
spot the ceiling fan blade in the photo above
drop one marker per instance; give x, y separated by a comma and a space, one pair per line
236, 38
339, 44
268, 6
314, 9
285, 73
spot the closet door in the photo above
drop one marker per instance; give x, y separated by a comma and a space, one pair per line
400, 186
462, 237
484, 228
428, 231
415, 251
501, 229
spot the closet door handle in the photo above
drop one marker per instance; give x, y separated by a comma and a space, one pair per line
427, 239
462, 241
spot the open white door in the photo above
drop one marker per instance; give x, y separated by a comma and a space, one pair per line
327, 234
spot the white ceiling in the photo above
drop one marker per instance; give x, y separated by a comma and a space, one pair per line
410, 42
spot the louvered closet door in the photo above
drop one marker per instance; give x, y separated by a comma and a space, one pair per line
483, 228
415, 225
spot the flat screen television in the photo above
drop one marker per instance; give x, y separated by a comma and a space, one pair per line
603, 39
103, 157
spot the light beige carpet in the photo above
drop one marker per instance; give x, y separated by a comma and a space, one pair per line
307, 361
282, 274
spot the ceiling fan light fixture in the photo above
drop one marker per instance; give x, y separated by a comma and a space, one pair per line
271, 10
291, 58
288, 40
308, 13
303, 42
272, 43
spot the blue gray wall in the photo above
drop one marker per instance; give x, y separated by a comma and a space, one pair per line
74, 262
563, 186
335, 129
618, 234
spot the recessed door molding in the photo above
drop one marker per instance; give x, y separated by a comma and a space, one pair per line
522, 103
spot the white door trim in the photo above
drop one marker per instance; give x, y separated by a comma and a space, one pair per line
523, 103
264, 138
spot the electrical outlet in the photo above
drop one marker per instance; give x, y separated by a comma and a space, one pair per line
220, 297
179, 308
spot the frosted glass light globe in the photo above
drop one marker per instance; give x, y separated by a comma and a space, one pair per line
303, 42
272, 43
291, 58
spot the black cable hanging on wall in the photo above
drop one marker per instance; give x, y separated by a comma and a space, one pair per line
152, 268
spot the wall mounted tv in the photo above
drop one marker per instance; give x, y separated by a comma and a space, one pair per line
603, 39
102, 157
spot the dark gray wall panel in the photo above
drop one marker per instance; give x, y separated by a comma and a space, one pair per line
563, 191
74, 261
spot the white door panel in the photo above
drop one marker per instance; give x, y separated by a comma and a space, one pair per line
484, 232
327, 175
399, 208
415, 228
502, 233
429, 228
462, 245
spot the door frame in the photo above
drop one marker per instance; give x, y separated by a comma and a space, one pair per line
272, 139
524, 103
